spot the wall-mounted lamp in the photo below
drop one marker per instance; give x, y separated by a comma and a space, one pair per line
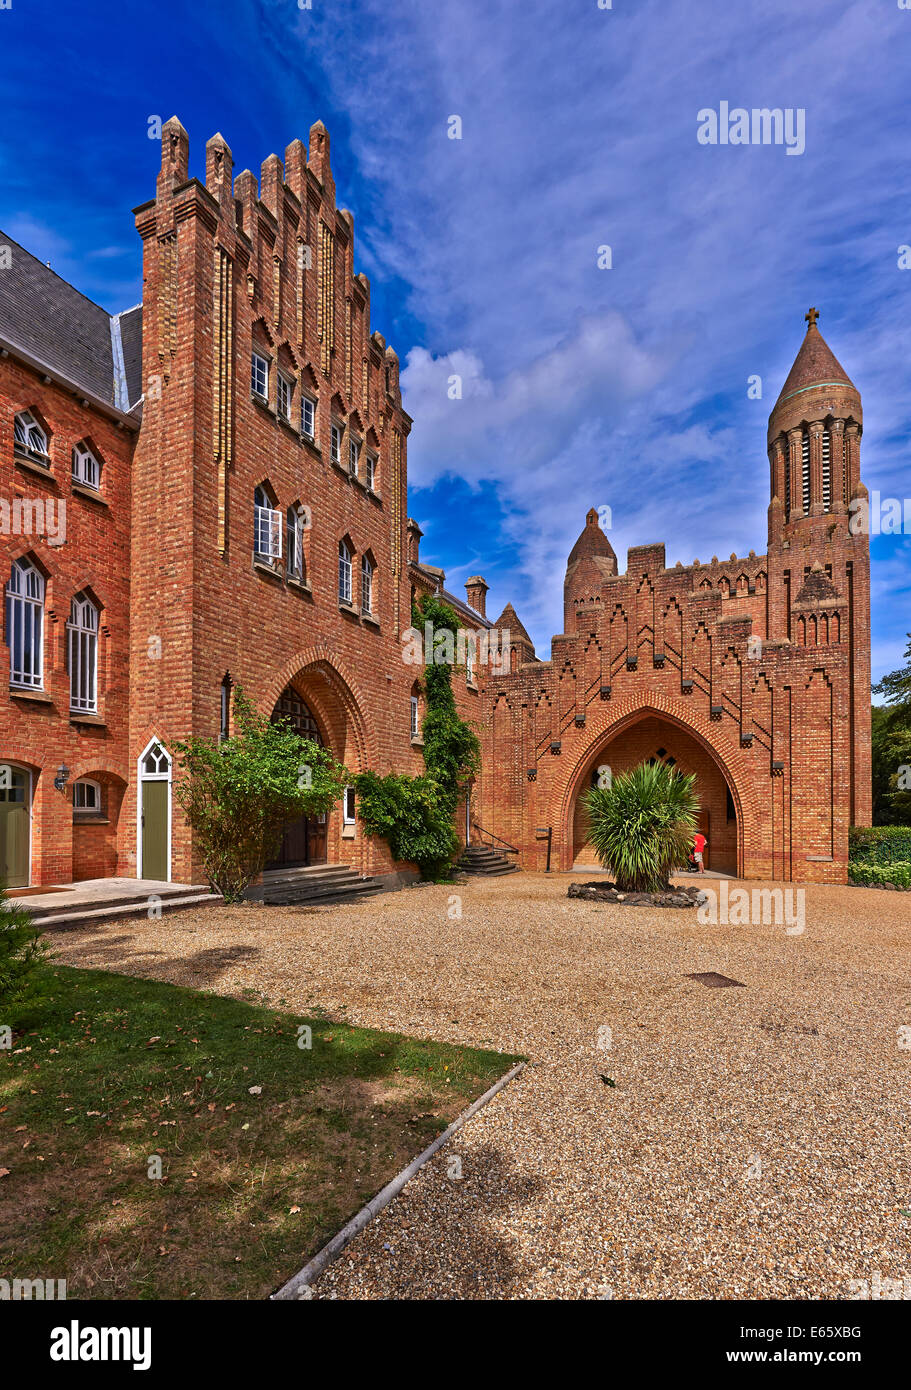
60, 780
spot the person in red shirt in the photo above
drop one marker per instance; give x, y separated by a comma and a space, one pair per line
699, 844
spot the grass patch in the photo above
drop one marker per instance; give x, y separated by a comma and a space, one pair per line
108, 1073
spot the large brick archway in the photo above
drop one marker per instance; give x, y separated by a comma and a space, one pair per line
606, 727
335, 701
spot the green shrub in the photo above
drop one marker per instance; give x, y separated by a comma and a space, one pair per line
238, 795
879, 844
415, 815
898, 872
642, 826
412, 816
21, 950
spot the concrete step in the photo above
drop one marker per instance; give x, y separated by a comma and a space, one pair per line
72, 919
169, 896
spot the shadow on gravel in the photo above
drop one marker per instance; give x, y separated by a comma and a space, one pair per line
204, 967
457, 1251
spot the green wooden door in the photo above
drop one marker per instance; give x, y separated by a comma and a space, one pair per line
15, 828
155, 830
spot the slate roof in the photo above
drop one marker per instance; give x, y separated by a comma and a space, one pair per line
50, 321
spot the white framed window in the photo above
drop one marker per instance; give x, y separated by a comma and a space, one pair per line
805, 471
155, 762
335, 442
25, 626
308, 417
370, 469
82, 655
415, 716
284, 394
348, 805
296, 523
86, 468
366, 584
259, 376
469, 658
28, 436
267, 526
354, 456
87, 795
344, 573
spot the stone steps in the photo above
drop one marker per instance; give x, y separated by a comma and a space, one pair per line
320, 885
480, 859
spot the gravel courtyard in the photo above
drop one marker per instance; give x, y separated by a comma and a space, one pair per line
668, 1140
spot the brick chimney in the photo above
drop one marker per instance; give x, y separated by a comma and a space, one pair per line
476, 591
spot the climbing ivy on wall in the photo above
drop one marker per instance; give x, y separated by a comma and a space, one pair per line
415, 815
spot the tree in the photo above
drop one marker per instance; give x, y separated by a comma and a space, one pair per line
642, 825
891, 739
238, 795
415, 815
21, 950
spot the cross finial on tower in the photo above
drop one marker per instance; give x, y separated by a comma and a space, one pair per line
811, 318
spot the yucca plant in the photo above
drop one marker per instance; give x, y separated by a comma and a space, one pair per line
641, 826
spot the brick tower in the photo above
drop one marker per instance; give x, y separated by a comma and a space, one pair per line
819, 572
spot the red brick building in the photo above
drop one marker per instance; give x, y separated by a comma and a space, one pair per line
206, 491
753, 672
210, 489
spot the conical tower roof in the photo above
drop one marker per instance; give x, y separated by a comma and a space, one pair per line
509, 618
817, 385
814, 365
592, 542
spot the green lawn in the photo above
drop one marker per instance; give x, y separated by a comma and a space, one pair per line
265, 1148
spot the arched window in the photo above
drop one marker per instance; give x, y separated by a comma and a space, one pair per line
156, 762
82, 655
267, 526
29, 437
366, 584
805, 471
296, 522
86, 468
344, 573
87, 796
25, 626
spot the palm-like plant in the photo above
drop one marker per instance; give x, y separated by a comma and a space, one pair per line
642, 825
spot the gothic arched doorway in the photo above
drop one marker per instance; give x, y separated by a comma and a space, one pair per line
304, 841
653, 739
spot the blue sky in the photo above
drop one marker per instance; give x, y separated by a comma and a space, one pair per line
582, 386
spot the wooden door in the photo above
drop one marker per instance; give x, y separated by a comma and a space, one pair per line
155, 830
15, 827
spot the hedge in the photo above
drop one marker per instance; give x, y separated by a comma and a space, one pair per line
876, 874
879, 844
